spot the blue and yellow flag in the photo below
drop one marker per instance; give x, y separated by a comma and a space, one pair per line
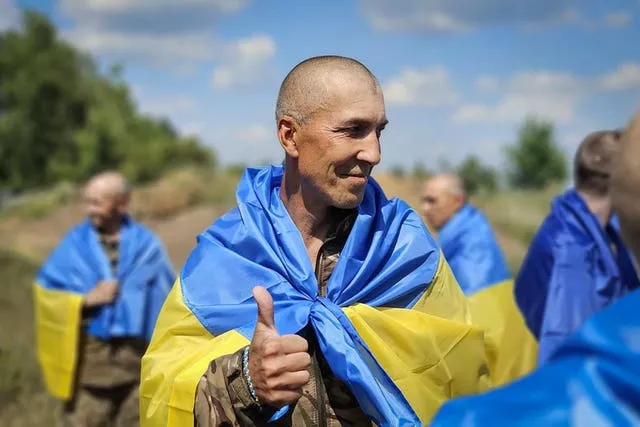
471, 249
74, 267
571, 272
593, 380
394, 325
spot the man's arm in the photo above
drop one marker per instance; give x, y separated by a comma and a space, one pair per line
180, 352
190, 377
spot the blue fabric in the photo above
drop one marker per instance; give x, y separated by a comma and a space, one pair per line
145, 276
472, 251
592, 380
389, 260
570, 272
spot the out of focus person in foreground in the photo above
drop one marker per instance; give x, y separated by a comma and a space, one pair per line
577, 263
316, 301
97, 298
478, 263
592, 378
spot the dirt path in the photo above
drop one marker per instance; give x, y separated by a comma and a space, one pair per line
36, 238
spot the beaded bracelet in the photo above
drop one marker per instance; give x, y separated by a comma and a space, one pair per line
247, 377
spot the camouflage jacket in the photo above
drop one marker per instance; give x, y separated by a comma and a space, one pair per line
222, 397
113, 363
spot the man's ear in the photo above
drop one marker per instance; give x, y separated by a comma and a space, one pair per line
288, 132
123, 203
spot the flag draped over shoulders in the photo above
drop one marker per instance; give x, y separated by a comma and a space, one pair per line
574, 268
591, 380
478, 263
470, 247
74, 268
393, 326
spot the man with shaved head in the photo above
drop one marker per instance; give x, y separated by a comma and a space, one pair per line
316, 301
476, 259
592, 378
577, 263
98, 296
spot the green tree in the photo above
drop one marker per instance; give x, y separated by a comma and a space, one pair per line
420, 171
476, 176
398, 171
535, 160
61, 119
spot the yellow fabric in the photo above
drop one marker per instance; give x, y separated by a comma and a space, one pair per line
511, 348
431, 352
179, 354
58, 315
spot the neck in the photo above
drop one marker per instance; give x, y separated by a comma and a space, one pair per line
310, 217
111, 227
599, 206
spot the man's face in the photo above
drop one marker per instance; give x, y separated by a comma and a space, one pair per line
439, 205
339, 146
101, 205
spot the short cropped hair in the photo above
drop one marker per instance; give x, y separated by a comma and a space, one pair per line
593, 162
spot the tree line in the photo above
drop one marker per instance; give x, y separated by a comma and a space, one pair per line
61, 119
534, 161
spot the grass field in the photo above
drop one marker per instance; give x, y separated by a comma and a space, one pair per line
178, 207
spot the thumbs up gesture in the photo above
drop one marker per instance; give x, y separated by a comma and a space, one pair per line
278, 365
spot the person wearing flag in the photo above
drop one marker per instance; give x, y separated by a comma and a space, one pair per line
317, 301
478, 264
591, 378
97, 297
577, 263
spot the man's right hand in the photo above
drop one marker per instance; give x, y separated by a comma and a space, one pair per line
278, 365
104, 293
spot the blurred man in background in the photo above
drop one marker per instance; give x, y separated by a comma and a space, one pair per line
476, 259
577, 263
592, 378
97, 299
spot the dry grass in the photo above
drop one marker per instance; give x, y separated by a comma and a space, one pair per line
23, 401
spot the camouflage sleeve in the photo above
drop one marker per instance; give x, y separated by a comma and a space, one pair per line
222, 396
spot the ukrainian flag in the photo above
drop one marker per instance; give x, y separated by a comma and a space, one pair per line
394, 324
574, 268
592, 380
75, 266
470, 247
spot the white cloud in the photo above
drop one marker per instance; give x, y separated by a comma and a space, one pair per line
573, 17
158, 48
548, 94
255, 133
626, 76
429, 87
458, 15
449, 16
169, 32
165, 106
249, 62
617, 19
487, 84
541, 93
9, 15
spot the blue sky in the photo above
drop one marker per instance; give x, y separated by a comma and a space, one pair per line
459, 75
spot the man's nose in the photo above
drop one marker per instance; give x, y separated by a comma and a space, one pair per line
370, 150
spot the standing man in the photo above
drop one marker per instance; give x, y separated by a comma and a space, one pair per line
577, 263
477, 262
317, 301
97, 297
592, 379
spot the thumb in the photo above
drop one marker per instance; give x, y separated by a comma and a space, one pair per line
265, 308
